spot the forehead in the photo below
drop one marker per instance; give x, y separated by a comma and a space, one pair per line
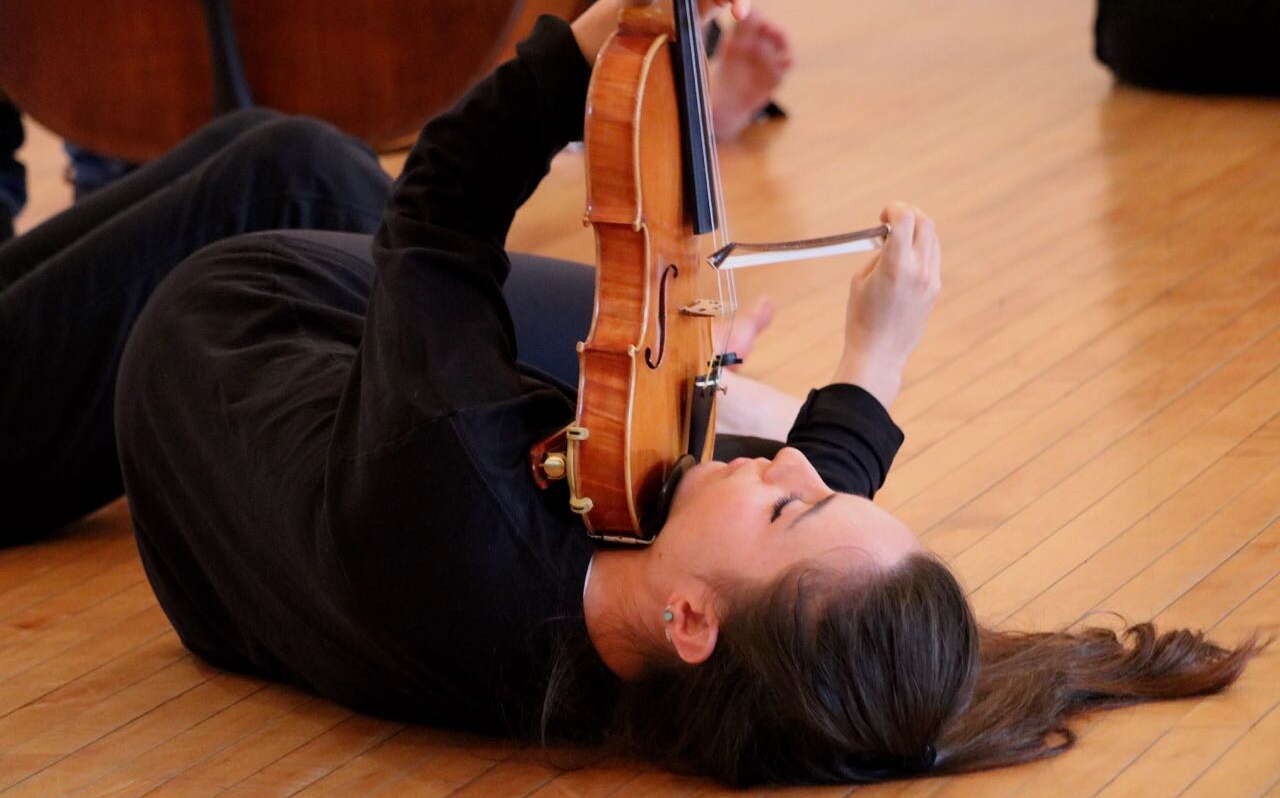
856, 526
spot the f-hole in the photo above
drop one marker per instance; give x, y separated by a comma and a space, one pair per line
670, 272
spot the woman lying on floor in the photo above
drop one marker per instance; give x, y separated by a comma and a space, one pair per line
324, 441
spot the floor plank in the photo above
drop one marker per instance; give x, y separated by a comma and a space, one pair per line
1092, 423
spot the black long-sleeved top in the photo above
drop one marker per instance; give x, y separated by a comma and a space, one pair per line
377, 536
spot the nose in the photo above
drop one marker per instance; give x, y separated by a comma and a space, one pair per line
792, 470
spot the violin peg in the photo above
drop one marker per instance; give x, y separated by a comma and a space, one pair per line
555, 466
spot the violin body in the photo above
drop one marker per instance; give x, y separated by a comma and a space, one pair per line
645, 348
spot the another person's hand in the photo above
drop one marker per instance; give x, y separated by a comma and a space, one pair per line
889, 304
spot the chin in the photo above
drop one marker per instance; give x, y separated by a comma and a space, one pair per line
693, 480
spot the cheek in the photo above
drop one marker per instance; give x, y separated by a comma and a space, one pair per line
723, 520
724, 526
745, 542
695, 482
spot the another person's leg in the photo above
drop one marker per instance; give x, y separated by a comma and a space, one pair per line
32, 249
65, 319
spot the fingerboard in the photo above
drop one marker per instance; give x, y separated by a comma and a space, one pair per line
695, 119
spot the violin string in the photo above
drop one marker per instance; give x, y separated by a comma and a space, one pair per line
726, 280
703, 105
694, 33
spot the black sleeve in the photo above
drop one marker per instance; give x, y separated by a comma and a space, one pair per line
848, 436
404, 576
408, 494
438, 334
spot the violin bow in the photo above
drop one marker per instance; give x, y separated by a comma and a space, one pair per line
741, 255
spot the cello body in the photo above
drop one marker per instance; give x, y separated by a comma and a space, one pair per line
647, 344
132, 78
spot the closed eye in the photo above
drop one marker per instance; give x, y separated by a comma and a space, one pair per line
780, 504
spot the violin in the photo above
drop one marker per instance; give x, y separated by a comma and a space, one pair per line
650, 370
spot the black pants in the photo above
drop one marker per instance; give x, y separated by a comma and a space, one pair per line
71, 290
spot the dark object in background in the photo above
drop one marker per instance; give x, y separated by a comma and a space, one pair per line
1213, 46
13, 175
89, 171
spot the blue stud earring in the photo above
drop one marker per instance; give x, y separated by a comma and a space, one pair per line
668, 616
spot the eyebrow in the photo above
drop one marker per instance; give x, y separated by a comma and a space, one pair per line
815, 508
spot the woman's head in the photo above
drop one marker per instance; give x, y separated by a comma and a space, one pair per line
779, 631
771, 515
825, 677
749, 522
810, 639
820, 676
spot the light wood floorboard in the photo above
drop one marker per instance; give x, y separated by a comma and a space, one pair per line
1093, 423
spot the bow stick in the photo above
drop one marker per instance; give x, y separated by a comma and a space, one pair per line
740, 255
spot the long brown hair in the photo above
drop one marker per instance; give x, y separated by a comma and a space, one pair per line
818, 679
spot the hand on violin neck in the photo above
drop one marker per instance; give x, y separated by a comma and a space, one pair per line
593, 27
890, 303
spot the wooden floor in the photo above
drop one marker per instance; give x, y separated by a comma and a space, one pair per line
1093, 421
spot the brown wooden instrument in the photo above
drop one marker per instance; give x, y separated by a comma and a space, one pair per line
649, 370
648, 374
131, 78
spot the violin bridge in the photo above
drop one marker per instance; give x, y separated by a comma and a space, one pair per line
704, 307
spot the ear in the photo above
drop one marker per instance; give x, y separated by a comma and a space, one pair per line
694, 628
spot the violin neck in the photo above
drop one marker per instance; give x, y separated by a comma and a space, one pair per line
695, 119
